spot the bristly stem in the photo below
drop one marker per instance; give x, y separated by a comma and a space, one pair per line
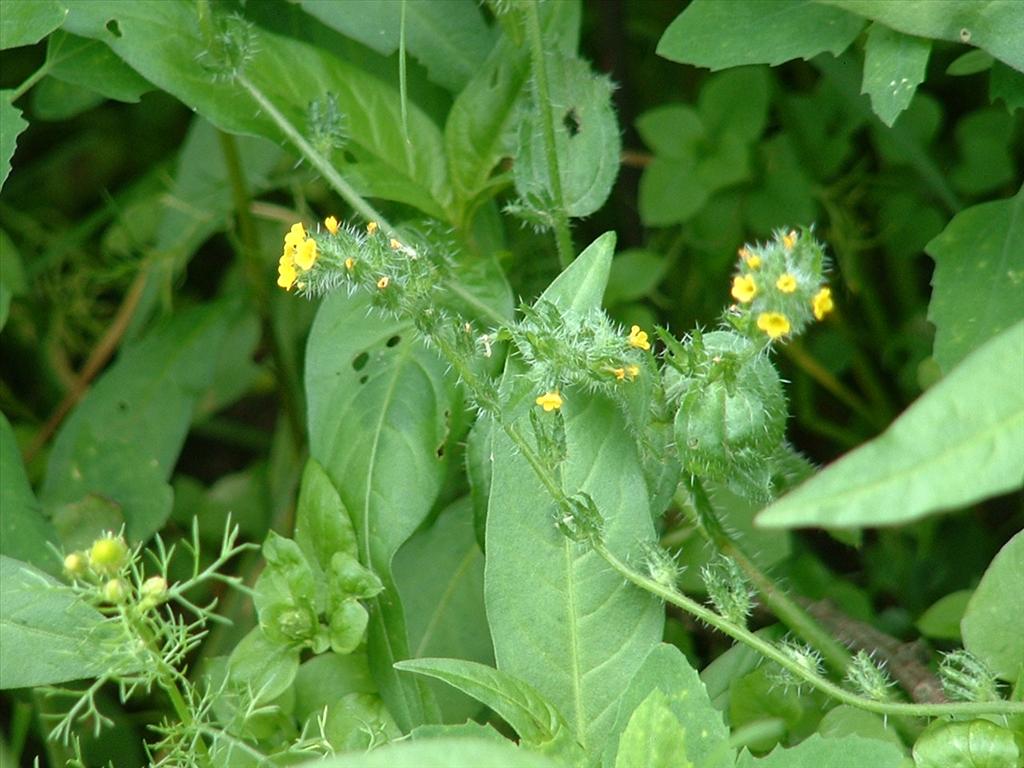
563, 235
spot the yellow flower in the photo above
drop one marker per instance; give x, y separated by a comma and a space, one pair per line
750, 258
286, 274
332, 225
744, 288
638, 338
775, 324
632, 371
620, 373
789, 240
350, 263
372, 227
305, 255
295, 237
108, 554
822, 303
550, 401
786, 283
383, 282
395, 244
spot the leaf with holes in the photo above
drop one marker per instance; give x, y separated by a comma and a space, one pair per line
894, 65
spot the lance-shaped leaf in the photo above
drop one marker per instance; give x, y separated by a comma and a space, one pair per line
24, 533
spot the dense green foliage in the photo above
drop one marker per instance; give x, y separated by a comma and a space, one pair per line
519, 463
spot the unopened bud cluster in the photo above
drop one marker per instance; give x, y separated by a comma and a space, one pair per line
779, 287
106, 568
807, 659
868, 678
965, 677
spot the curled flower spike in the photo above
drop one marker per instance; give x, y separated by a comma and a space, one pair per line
638, 338
822, 303
786, 283
775, 324
372, 227
332, 225
789, 240
744, 288
550, 401
383, 282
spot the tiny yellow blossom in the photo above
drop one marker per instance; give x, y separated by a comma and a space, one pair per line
350, 263
286, 274
789, 240
295, 237
372, 227
638, 338
550, 401
822, 303
332, 225
775, 324
754, 261
744, 289
786, 283
395, 244
305, 255
383, 282
620, 373
745, 253
632, 371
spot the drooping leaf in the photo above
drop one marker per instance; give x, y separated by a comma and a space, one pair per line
24, 22
993, 26
816, 752
979, 275
442, 753
440, 576
24, 532
719, 35
971, 744
654, 737
894, 65
993, 623
91, 64
123, 439
11, 126
449, 37
379, 406
961, 441
47, 633
543, 590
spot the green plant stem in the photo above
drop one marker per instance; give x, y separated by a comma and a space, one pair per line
563, 235
317, 160
789, 612
768, 650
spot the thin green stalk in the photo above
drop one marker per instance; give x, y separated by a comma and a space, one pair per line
768, 650
402, 87
29, 81
788, 611
563, 235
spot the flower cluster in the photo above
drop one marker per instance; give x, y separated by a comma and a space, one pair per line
106, 566
779, 287
299, 256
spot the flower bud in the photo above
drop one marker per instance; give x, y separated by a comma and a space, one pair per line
153, 592
115, 591
108, 555
75, 565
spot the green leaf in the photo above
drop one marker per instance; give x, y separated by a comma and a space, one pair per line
467, 730
634, 274
322, 523
815, 752
986, 164
24, 533
973, 744
654, 737
543, 590
324, 679
25, 22
846, 720
995, 26
91, 64
519, 704
123, 438
11, 126
1006, 84
379, 406
942, 619
894, 65
993, 623
960, 442
758, 697
54, 100
357, 722
970, 63
979, 273
666, 670
49, 635
440, 576
449, 37
163, 43
266, 667
719, 35
442, 753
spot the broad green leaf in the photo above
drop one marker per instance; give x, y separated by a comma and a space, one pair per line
519, 704
587, 139
894, 65
47, 633
91, 64
986, 163
379, 407
960, 442
817, 752
467, 730
11, 126
123, 438
972, 744
1006, 84
634, 274
845, 720
970, 63
993, 623
733, 664
440, 576
322, 523
24, 533
441, 753
162, 41
785, 197
12, 276
666, 670
654, 737
449, 37
979, 276
24, 22
758, 697
54, 100
266, 667
942, 619
996, 26
324, 679
359, 721
719, 35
